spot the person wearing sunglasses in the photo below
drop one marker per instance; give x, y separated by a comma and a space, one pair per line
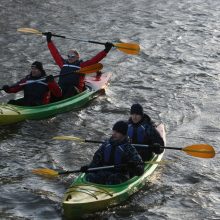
72, 84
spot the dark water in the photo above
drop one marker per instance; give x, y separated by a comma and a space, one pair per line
175, 77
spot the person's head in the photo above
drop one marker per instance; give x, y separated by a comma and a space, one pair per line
37, 69
136, 113
119, 131
73, 56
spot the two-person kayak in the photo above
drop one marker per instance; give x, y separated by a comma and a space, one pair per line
95, 86
83, 197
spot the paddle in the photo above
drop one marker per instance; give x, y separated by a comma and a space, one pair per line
195, 150
85, 70
54, 173
128, 48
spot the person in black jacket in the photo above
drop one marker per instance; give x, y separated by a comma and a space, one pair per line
37, 87
141, 130
116, 151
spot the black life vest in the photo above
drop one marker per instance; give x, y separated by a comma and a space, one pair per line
114, 154
34, 92
69, 80
139, 133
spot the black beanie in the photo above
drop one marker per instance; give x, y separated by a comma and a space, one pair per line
37, 65
136, 109
121, 127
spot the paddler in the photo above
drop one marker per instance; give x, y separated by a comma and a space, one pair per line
35, 93
72, 84
115, 151
142, 130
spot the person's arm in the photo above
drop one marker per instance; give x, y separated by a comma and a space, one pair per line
55, 89
97, 158
55, 54
94, 60
156, 140
14, 88
99, 56
135, 163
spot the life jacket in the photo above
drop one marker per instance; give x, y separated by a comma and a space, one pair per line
137, 134
34, 92
118, 154
69, 79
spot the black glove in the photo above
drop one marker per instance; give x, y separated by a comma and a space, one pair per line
48, 35
5, 88
108, 47
49, 78
84, 169
156, 148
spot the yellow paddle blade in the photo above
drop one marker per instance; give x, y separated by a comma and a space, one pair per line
45, 172
29, 30
68, 138
90, 69
200, 150
129, 48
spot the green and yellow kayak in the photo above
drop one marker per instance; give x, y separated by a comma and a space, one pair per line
10, 114
84, 197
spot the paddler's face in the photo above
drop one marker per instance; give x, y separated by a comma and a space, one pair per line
136, 118
35, 72
72, 57
117, 136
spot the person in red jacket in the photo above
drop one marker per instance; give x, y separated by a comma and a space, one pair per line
72, 84
36, 91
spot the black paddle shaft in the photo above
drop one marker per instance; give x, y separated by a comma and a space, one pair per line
96, 42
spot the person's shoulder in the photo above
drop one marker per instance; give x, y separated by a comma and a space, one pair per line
147, 118
105, 143
148, 121
27, 77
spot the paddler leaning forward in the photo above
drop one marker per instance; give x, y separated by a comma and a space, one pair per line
115, 151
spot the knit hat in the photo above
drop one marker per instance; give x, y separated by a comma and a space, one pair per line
121, 127
136, 109
37, 65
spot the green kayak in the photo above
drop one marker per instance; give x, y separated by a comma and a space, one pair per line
10, 114
83, 197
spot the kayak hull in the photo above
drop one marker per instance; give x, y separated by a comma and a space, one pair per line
10, 114
83, 197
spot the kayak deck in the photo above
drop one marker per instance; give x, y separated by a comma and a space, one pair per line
84, 197
13, 113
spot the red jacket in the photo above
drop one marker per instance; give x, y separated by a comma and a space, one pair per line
60, 61
52, 88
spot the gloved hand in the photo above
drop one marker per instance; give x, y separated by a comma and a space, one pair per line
108, 47
48, 35
84, 169
5, 88
156, 148
49, 78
